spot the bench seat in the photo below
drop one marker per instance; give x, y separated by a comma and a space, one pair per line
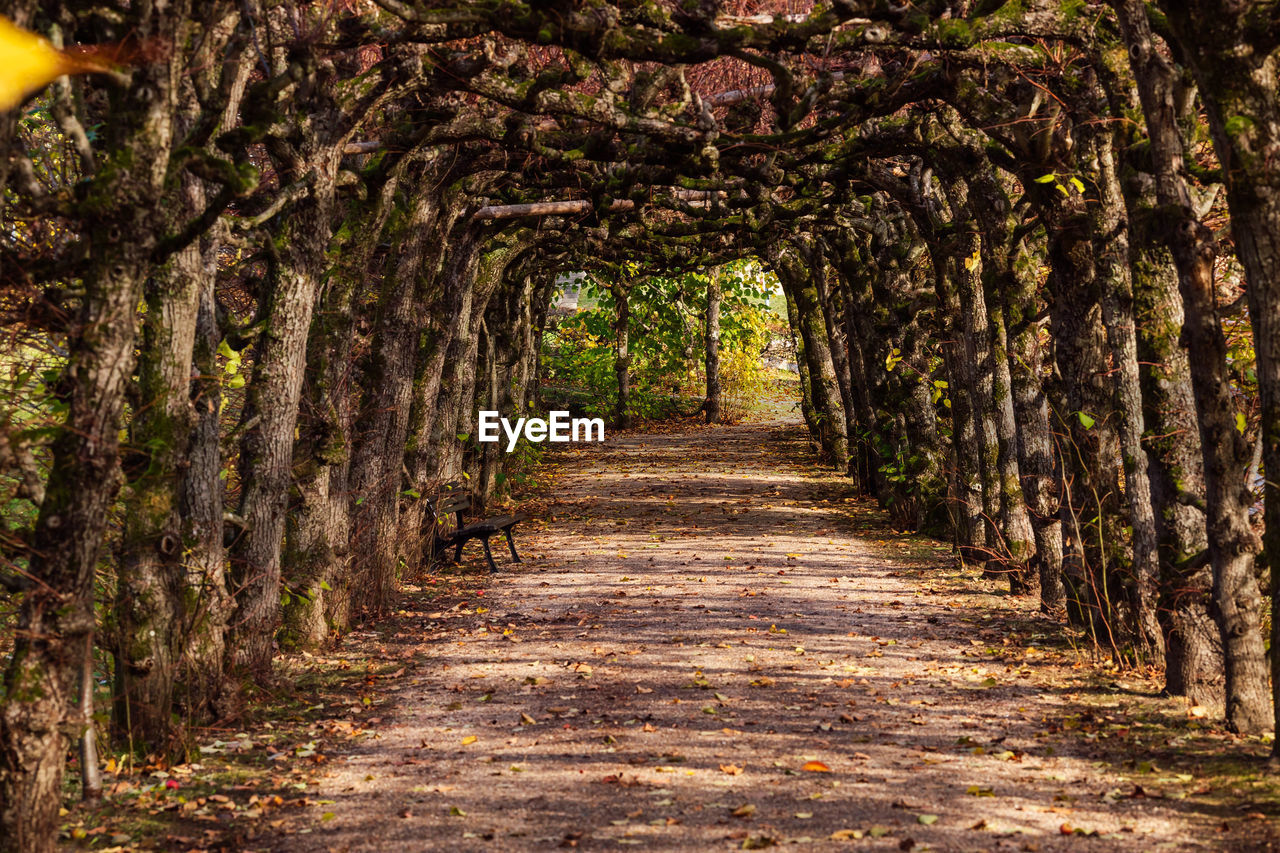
455, 500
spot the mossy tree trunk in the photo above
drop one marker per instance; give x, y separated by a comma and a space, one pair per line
1084, 418
152, 597
807, 410
864, 372
296, 263
379, 436
824, 388
965, 487
123, 219
446, 293
171, 602
1193, 647
1111, 227
991, 209
826, 278
1242, 92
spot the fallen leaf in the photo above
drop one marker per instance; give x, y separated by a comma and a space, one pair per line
468, 740
816, 767
745, 810
731, 769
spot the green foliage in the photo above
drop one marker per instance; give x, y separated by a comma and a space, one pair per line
743, 376
30, 418
666, 340
575, 354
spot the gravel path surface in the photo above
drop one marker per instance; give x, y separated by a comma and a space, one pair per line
713, 646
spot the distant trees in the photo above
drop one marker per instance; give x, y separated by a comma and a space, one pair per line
258, 278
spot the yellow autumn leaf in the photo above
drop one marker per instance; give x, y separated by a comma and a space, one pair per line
29, 62
468, 740
816, 767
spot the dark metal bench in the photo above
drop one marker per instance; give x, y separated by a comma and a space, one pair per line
455, 499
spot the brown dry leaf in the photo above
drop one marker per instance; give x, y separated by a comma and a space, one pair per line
731, 769
640, 689
816, 767
744, 810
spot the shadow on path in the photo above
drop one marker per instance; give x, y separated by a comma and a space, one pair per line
708, 622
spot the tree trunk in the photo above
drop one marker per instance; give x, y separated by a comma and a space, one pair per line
1193, 648
802, 367
269, 418
1112, 228
1212, 46
714, 297
826, 277
825, 390
208, 599
379, 439
1085, 419
317, 526
447, 293
55, 615
971, 533
621, 353
151, 588
1019, 537
90, 772
509, 323
975, 339
458, 402
849, 260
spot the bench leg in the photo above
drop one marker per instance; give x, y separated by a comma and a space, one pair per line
488, 555
515, 558
457, 555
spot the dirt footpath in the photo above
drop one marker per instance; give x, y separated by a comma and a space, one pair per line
712, 646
